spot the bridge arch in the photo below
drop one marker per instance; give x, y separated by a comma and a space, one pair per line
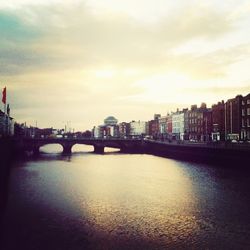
79, 147
48, 148
111, 149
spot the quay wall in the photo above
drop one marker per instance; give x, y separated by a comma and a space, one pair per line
224, 155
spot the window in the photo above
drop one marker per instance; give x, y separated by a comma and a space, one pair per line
242, 102
248, 122
243, 123
248, 101
243, 112
248, 111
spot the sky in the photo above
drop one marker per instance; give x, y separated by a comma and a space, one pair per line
76, 62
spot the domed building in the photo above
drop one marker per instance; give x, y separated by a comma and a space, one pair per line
110, 121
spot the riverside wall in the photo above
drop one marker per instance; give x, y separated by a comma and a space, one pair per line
229, 155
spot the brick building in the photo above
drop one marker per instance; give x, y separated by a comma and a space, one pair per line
218, 121
199, 123
233, 118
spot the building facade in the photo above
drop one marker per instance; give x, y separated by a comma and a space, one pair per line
6, 125
233, 118
137, 128
108, 129
178, 125
153, 128
199, 123
163, 127
169, 126
218, 121
124, 129
245, 118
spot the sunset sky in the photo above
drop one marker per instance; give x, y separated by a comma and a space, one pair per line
81, 61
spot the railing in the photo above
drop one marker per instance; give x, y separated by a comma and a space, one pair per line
84, 139
219, 145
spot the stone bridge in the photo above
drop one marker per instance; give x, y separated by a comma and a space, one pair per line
125, 145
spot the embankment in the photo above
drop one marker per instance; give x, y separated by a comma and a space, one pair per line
230, 155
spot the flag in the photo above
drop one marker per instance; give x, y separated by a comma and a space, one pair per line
4, 95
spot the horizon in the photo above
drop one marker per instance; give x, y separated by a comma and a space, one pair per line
178, 109
81, 61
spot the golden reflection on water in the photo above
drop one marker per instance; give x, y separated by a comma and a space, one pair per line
144, 196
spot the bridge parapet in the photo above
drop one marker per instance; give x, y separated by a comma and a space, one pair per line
33, 144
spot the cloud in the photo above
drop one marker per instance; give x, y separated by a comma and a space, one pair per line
210, 65
58, 37
17, 39
54, 57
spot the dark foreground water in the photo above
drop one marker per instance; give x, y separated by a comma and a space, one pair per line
117, 201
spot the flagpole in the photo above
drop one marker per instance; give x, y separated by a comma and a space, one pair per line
6, 115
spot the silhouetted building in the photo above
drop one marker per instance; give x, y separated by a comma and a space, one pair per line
218, 121
245, 118
6, 125
233, 113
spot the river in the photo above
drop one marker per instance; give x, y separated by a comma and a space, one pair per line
125, 201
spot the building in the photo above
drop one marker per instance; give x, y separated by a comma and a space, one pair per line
233, 118
186, 125
207, 125
218, 121
137, 128
245, 118
163, 127
153, 128
157, 116
123, 129
96, 131
6, 125
108, 129
110, 120
199, 123
178, 125
169, 126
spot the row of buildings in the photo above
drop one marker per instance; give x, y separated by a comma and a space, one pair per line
21, 130
224, 121
228, 120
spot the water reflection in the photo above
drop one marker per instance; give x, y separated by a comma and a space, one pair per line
82, 148
112, 150
117, 201
156, 199
51, 148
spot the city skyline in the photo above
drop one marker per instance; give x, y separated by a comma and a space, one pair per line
81, 61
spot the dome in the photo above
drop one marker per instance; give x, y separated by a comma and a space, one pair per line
110, 120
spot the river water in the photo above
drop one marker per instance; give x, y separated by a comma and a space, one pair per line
123, 201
